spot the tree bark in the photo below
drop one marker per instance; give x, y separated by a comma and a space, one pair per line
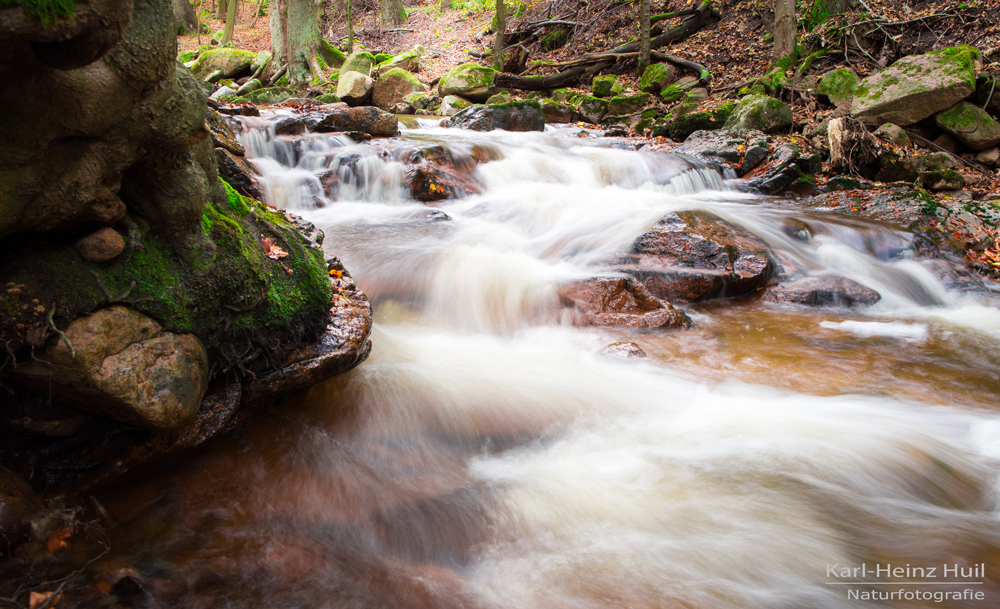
350, 27
227, 33
784, 29
220, 10
295, 38
392, 12
643, 35
498, 36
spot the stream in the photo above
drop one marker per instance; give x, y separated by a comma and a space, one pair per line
489, 455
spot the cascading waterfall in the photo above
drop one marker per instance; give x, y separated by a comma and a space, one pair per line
487, 454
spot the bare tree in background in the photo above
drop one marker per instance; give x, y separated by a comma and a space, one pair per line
295, 38
227, 32
392, 12
498, 36
643, 35
784, 29
350, 27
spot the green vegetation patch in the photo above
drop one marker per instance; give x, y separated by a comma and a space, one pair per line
47, 11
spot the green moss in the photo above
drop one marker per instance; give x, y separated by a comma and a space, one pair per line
601, 86
47, 11
237, 202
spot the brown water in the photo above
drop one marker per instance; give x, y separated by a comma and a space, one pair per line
487, 455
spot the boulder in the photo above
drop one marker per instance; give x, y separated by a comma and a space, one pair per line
907, 170
619, 302
988, 92
101, 245
676, 91
916, 87
238, 172
894, 134
123, 366
590, 108
249, 87
946, 179
366, 119
227, 62
502, 97
469, 80
556, 112
407, 60
601, 86
451, 105
988, 157
354, 88
760, 113
838, 86
260, 60
821, 291
421, 100
515, 116
555, 39
624, 351
684, 125
695, 255
742, 148
655, 77
622, 106
784, 171
222, 92
970, 125
393, 86
360, 62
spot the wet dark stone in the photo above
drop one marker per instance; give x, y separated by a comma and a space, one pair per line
238, 172
513, 116
222, 133
743, 149
822, 290
619, 302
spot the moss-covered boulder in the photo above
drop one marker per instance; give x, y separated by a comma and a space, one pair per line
655, 77
676, 91
894, 134
422, 100
360, 62
502, 97
354, 87
621, 106
590, 108
469, 80
226, 62
556, 38
946, 179
838, 86
970, 125
267, 95
515, 116
761, 113
260, 60
684, 125
393, 86
916, 87
557, 111
908, 169
407, 60
451, 105
601, 86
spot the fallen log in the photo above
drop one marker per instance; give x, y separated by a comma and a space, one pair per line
701, 16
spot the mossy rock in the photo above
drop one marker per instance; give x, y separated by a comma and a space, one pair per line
331, 55
676, 91
684, 125
591, 109
946, 179
407, 60
393, 86
761, 113
970, 125
469, 80
260, 60
601, 85
655, 77
621, 106
235, 300
359, 61
894, 134
917, 86
187, 56
838, 86
268, 95
502, 97
328, 98
229, 62
555, 39
557, 111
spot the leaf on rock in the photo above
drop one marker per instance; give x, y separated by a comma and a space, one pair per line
38, 599
271, 250
56, 539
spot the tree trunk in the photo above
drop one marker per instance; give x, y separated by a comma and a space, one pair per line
295, 38
445, 5
227, 33
498, 36
643, 35
350, 28
392, 12
784, 29
220, 10
184, 15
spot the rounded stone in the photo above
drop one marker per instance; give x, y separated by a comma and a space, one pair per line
101, 245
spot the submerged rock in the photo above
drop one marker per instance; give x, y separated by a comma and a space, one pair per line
624, 351
619, 302
515, 116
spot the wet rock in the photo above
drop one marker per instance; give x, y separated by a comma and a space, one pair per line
695, 255
970, 125
744, 149
784, 172
122, 366
515, 116
436, 183
822, 290
393, 86
354, 88
619, 302
222, 133
469, 80
238, 172
366, 119
18, 503
760, 113
556, 111
101, 245
916, 87
52, 428
624, 351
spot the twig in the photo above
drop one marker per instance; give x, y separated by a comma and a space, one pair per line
62, 334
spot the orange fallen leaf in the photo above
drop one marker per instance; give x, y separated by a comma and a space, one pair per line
56, 542
37, 599
335, 273
271, 250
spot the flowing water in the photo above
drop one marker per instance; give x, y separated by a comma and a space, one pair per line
488, 455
